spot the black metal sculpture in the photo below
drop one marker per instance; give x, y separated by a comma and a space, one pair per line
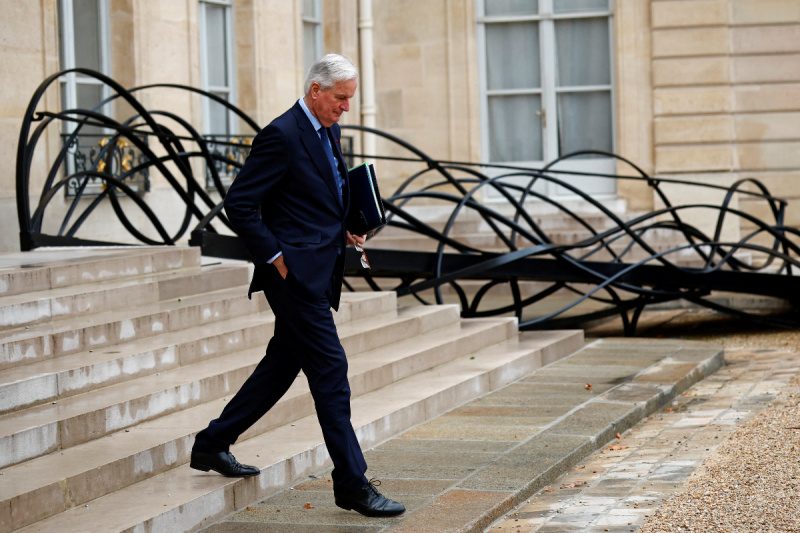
620, 267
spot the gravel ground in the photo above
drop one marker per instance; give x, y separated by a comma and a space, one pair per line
752, 481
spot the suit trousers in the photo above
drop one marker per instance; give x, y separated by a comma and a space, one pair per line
305, 338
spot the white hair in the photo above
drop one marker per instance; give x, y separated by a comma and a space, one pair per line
329, 70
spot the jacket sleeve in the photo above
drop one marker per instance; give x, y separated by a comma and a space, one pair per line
260, 175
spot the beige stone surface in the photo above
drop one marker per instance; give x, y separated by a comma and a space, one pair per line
681, 101
772, 39
695, 158
690, 42
767, 126
780, 184
772, 156
687, 13
691, 71
634, 96
689, 130
764, 11
776, 97
762, 211
780, 68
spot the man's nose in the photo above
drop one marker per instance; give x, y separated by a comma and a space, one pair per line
345, 105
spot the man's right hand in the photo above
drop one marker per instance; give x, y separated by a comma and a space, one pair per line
281, 266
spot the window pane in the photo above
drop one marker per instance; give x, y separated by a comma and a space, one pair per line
512, 56
310, 9
309, 44
218, 116
582, 47
215, 45
87, 34
89, 96
584, 122
511, 7
571, 6
515, 129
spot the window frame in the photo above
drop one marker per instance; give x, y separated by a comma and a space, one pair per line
549, 91
316, 23
68, 83
230, 66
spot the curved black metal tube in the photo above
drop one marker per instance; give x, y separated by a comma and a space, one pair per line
623, 267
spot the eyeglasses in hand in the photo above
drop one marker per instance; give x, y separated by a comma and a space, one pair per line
364, 260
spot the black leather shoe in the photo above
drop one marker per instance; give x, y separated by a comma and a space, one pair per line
368, 501
222, 462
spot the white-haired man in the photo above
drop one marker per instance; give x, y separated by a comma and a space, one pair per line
289, 204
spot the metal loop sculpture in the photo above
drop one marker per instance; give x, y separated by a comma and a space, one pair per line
617, 263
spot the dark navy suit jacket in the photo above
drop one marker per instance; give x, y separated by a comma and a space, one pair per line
285, 199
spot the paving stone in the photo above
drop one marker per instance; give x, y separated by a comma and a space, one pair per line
567, 373
393, 487
469, 467
655, 457
439, 429
536, 461
597, 418
446, 445
381, 458
453, 420
455, 509
269, 527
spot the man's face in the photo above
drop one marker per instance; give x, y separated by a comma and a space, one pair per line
329, 105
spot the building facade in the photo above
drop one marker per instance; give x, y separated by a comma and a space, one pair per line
698, 90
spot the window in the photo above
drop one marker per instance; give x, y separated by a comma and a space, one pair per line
312, 32
218, 78
217, 65
546, 90
83, 43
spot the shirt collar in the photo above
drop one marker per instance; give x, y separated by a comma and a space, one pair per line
314, 121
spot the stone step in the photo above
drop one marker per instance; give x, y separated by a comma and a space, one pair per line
47, 268
181, 499
70, 421
122, 458
225, 321
73, 301
38, 342
487, 240
53, 379
30, 344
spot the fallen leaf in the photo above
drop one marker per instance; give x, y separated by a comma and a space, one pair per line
549, 490
619, 436
308, 506
588, 387
617, 447
580, 467
249, 508
793, 427
568, 486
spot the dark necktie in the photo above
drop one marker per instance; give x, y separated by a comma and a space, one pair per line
323, 136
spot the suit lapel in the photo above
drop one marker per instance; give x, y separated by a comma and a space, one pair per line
313, 145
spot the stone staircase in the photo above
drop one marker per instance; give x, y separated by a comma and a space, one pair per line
112, 359
470, 229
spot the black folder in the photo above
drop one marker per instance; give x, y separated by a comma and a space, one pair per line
366, 207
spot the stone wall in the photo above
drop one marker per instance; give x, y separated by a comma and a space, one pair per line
706, 90
726, 76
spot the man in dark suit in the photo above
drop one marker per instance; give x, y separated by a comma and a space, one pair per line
288, 204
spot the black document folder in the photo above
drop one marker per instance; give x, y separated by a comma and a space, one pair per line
366, 207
